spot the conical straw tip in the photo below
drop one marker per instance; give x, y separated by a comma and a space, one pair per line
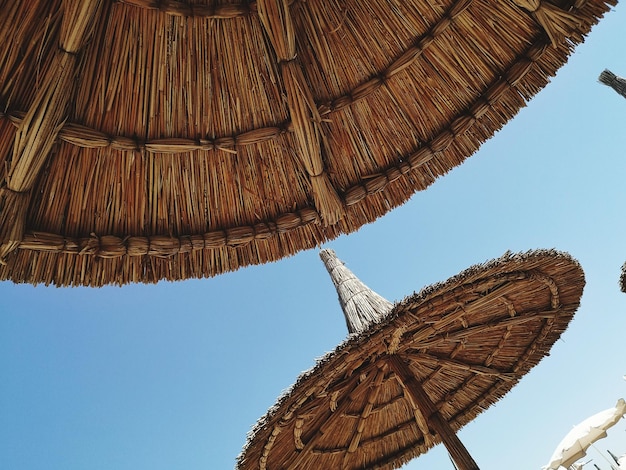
329, 258
607, 77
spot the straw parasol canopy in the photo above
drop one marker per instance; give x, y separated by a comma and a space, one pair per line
143, 140
421, 369
618, 84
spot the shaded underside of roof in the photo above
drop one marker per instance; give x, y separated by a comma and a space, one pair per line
145, 140
467, 341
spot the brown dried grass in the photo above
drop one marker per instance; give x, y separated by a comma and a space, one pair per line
281, 124
467, 341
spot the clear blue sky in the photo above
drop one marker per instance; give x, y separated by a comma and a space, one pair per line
173, 376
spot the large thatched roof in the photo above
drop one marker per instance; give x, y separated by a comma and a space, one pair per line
144, 140
422, 370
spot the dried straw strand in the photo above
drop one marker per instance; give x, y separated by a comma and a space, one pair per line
276, 19
556, 22
184, 9
38, 130
13, 209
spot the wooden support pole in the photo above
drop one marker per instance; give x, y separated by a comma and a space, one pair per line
455, 447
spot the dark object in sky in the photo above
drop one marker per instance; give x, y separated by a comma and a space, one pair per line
617, 83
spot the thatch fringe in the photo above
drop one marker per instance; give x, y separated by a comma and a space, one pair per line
616, 82
276, 19
13, 210
110, 246
556, 22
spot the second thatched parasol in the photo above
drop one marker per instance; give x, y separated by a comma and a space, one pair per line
412, 374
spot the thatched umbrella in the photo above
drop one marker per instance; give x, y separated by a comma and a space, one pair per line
412, 374
157, 139
616, 82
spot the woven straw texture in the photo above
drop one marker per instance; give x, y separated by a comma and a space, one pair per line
466, 341
143, 140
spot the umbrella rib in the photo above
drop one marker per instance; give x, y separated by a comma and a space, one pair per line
418, 416
460, 335
417, 419
352, 386
431, 376
365, 413
449, 438
327, 420
493, 390
278, 24
433, 327
379, 408
458, 364
378, 437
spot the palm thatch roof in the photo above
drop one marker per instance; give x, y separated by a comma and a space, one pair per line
157, 139
422, 370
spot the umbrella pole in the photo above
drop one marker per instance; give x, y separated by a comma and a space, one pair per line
455, 447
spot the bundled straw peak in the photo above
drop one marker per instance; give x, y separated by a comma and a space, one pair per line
361, 305
608, 78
